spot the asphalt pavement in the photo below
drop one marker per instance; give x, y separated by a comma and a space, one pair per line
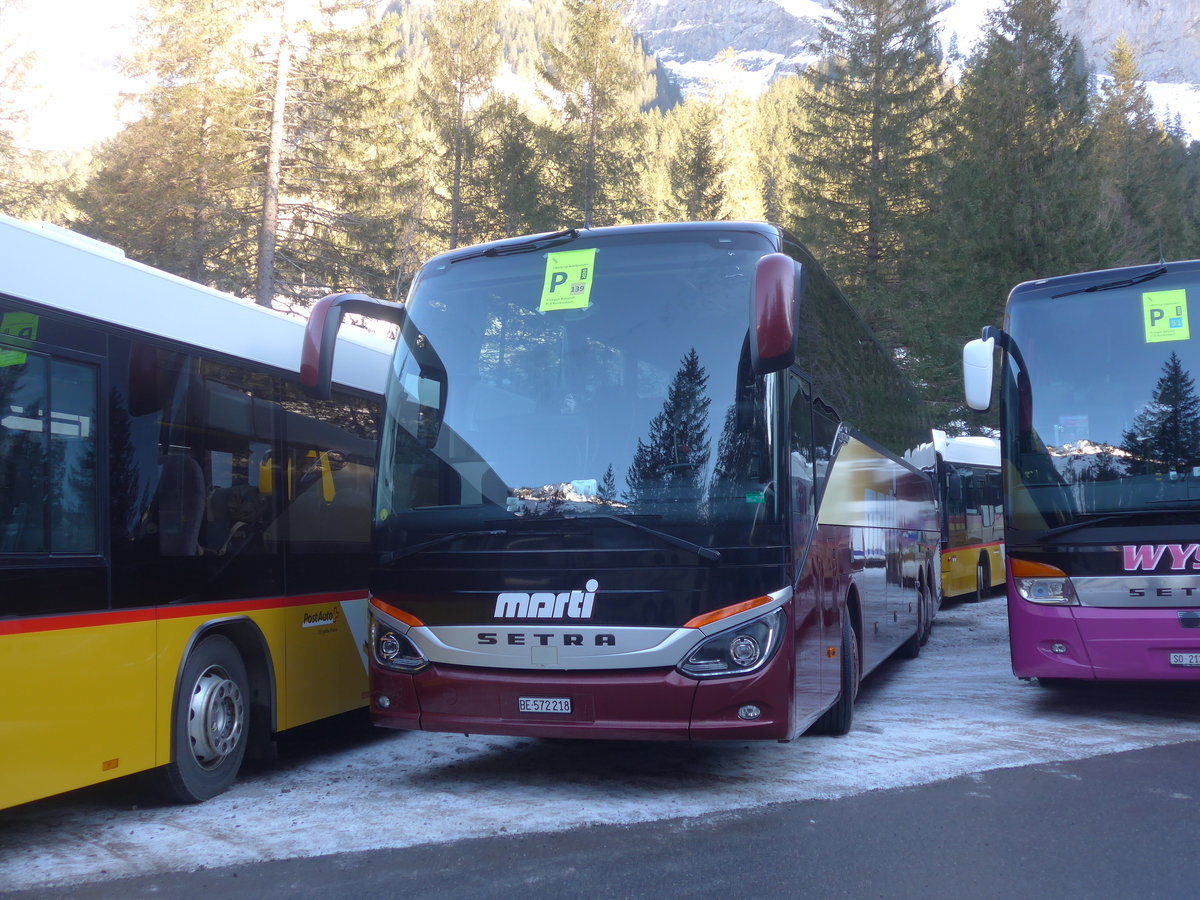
1120, 825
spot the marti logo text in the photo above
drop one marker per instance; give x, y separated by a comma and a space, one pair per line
548, 604
1149, 556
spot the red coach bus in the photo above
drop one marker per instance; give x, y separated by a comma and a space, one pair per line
639, 482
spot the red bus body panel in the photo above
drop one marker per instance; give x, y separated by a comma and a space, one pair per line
658, 704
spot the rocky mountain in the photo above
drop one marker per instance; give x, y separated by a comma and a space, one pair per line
697, 40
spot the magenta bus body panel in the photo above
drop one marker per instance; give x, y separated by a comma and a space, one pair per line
1099, 644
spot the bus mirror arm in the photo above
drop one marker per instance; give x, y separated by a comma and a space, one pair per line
320, 336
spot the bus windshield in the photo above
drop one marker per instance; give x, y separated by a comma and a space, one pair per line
1105, 418
510, 399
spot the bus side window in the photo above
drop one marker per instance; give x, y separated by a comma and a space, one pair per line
48, 456
801, 419
328, 474
825, 429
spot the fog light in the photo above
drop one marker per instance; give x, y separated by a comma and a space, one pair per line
383, 701
749, 712
1058, 647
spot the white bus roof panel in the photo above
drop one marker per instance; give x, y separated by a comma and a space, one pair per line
56, 268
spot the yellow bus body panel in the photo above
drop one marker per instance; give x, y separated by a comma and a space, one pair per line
958, 568
85, 703
77, 707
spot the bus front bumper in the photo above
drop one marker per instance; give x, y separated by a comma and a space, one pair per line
1090, 643
608, 705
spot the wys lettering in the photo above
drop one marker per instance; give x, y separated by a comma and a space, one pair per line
1148, 557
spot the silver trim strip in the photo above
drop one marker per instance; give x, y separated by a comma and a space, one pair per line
567, 646
1139, 591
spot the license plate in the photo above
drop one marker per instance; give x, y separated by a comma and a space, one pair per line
549, 704
1185, 659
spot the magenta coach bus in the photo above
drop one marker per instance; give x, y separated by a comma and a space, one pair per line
639, 482
1100, 424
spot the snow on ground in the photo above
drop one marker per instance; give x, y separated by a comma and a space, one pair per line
956, 710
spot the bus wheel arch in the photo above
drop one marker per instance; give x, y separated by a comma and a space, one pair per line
838, 718
222, 710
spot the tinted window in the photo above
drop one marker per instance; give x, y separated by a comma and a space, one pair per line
48, 446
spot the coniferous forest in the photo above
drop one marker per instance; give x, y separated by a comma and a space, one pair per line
283, 157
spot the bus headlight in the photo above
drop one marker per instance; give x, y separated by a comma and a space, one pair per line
394, 650
736, 651
1040, 583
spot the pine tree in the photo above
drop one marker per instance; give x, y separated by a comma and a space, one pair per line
14, 64
1165, 435
696, 165
349, 184
1139, 168
672, 463
780, 174
874, 111
172, 189
464, 54
1018, 201
599, 81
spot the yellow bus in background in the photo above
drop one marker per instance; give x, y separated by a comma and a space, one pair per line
184, 535
972, 516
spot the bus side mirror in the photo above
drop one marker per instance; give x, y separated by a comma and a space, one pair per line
977, 373
774, 311
320, 335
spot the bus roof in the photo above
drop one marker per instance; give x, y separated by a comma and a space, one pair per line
969, 450
57, 268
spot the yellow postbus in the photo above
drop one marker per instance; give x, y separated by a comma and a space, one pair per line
972, 517
184, 535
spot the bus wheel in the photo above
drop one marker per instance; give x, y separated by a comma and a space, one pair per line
931, 609
836, 720
911, 648
211, 726
983, 579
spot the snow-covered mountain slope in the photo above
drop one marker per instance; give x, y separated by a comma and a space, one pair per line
751, 42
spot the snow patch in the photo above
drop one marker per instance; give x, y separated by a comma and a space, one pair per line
956, 710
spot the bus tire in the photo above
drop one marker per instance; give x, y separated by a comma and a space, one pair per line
983, 579
932, 605
211, 722
911, 648
837, 719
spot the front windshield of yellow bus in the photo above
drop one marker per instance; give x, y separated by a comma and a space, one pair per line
600, 375
1109, 421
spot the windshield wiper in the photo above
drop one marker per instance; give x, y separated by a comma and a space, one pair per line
1111, 285
1099, 518
684, 544
393, 555
533, 243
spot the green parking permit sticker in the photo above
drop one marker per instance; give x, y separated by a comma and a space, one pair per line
568, 282
756, 497
1165, 316
22, 325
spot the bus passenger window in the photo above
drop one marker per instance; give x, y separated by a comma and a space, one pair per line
48, 444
